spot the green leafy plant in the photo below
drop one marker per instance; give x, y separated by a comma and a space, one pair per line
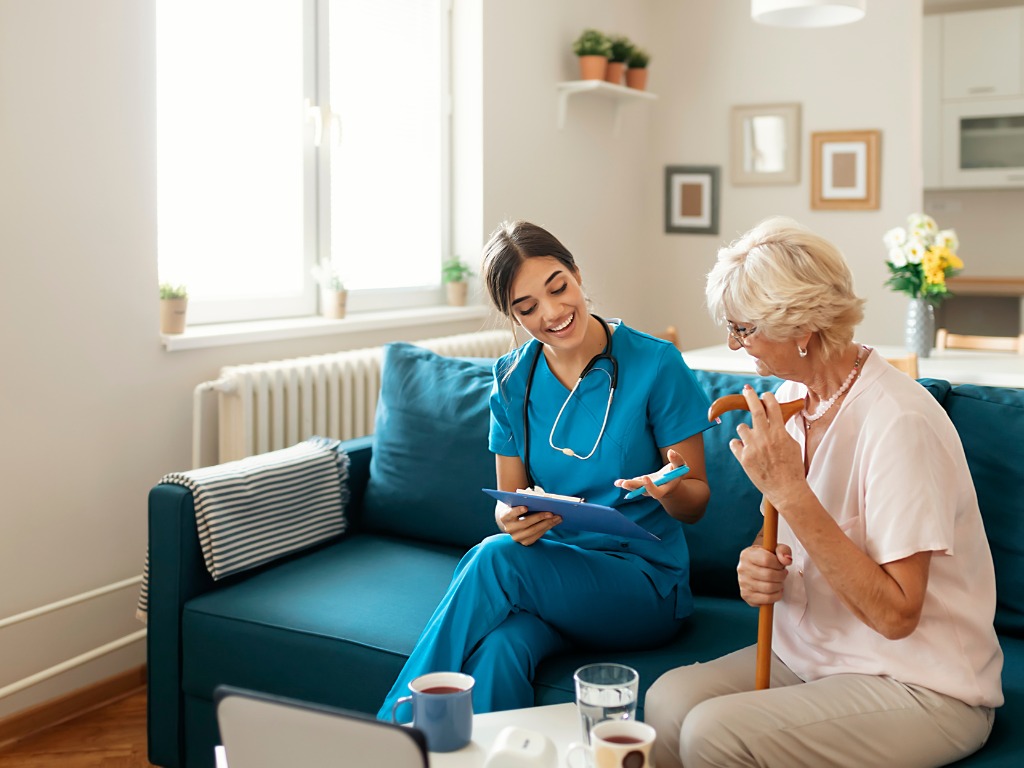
621, 49
169, 291
592, 42
455, 270
327, 276
638, 58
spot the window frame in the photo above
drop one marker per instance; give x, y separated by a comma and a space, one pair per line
316, 162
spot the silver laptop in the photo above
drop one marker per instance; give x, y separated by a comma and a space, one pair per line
261, 730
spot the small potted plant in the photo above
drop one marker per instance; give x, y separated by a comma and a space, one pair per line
173, 305
333, 294
636, 72
621, 48
593, 49
454, 272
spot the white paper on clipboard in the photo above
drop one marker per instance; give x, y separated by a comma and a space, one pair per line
576, 515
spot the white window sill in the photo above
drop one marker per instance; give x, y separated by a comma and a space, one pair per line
223, 334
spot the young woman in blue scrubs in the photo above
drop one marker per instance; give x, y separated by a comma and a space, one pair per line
535, 589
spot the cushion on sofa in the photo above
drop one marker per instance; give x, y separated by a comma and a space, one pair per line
733, 516
352, 611
990, 422
430, 455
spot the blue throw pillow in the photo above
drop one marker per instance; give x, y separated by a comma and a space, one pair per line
990, 422
733, 516
430, 455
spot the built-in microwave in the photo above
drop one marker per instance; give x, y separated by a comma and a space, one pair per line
983, 143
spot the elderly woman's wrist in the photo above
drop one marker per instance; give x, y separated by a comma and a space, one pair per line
792, 500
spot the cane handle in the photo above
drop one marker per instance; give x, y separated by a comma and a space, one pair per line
769, 539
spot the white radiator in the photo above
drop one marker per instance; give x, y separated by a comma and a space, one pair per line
266, 406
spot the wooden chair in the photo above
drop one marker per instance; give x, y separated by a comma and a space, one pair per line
946, 340
907, 364
671, 334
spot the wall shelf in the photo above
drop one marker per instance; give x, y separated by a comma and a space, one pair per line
619, 94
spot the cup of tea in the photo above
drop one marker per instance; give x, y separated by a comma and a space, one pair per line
605, 692
615, 744
442, 707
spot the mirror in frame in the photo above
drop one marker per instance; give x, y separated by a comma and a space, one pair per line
765, 144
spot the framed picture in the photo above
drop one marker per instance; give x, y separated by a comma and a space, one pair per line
691, 199
765, 144
845, 170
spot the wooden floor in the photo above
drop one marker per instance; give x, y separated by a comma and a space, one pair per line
113, 736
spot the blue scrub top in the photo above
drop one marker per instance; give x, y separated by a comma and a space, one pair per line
657, 403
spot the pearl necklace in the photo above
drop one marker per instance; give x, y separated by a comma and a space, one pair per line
825, 405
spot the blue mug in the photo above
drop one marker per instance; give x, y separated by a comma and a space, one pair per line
442, 707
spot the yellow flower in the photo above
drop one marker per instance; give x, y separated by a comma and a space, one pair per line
921, 258
933, 263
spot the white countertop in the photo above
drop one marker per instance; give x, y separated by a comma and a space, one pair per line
957, 366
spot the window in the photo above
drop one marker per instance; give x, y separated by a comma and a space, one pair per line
291, 132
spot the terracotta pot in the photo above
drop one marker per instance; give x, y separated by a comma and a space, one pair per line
593, 67
457, 293
615, 72
332, 303
172, 315
637, 78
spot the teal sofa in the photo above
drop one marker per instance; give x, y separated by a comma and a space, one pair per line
334, 624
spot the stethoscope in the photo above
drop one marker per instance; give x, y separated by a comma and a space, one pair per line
613, 377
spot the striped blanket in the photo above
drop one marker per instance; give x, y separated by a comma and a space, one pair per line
257, 509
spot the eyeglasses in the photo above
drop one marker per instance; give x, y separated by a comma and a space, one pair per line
740, 333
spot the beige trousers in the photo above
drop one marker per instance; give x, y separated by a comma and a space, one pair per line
709, 715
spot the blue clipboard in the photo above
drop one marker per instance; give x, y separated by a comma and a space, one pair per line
576, 515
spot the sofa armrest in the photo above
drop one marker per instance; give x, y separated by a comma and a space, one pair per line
359, 451
177, 573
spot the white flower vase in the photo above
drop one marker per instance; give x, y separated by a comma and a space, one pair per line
920, 329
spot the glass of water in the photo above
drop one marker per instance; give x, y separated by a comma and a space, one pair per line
605, 692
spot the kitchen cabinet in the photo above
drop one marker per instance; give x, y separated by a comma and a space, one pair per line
982, 53
973, 99
931, 102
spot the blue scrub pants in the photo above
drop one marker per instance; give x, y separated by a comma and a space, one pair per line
509, 606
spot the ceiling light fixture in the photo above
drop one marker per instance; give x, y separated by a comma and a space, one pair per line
806, 13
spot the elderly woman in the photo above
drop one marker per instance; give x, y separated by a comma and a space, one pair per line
884, 592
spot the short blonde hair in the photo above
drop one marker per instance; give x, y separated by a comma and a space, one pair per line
786, 280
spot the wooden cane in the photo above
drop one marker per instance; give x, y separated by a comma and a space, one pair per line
769, 540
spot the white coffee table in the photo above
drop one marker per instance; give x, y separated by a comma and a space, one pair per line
559, 722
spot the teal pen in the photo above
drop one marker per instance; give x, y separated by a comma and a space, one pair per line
670, 475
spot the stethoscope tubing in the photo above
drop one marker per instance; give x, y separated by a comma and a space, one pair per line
590, 367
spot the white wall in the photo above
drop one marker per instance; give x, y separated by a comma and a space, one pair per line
985, 221
710, 57
583, 183
602, 194
94, 411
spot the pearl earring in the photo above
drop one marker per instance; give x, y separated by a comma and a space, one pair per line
801, 351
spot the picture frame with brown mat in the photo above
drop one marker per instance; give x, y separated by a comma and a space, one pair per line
845, 170
691, 199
